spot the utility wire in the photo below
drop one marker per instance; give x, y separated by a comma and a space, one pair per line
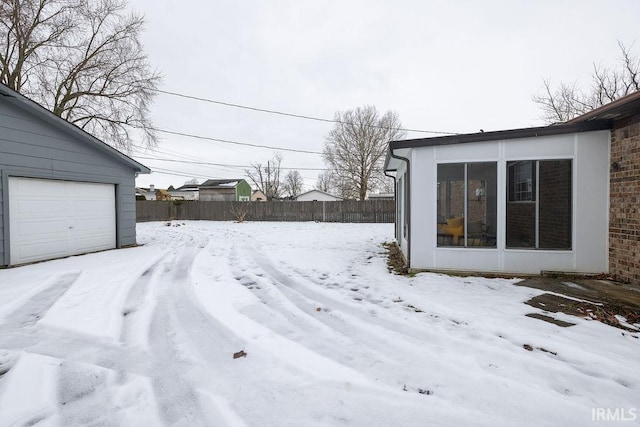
187, 174
220, 164
226, 141
281, 113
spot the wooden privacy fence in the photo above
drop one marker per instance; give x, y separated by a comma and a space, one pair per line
346, 211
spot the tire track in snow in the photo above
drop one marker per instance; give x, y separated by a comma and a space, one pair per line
31, 312
307, 296
346, 339
134, 303
81, 386
186, 344
83, 395
350, 320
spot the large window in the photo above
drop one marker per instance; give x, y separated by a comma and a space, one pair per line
539, 204
466, 204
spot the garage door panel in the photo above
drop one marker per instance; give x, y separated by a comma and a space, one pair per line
41, 250
90, 225
34, 230
93, 208
91, 243
50, 219
42, 208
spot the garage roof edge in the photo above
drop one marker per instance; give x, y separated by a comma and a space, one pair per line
41, 112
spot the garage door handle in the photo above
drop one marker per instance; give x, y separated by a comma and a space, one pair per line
70, 228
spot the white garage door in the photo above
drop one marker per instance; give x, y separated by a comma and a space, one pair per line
50, 219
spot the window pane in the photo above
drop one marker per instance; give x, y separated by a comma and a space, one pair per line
521, 206
481, 204
554, 215
450, 200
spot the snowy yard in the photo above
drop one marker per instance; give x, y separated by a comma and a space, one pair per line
147, 335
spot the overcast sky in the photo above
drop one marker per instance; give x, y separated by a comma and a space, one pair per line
445, 66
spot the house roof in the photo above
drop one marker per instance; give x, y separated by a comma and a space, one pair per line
382, 196
559, 129
42, 113
188, 187
619, 109
318, 191
220, 183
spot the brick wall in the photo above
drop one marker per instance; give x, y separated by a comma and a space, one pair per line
624, 220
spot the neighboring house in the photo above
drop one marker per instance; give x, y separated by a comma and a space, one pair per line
381, 196
162, 195
225, 190
317, 196
153, 193
517, 201
147, 193
62, 191
186, 192
258, 196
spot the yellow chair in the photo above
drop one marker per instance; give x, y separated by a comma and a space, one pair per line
455, 227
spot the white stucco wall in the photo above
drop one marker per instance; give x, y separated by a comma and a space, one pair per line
589, 152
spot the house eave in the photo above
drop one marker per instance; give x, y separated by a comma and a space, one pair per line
42, 113
619, 109
534, 132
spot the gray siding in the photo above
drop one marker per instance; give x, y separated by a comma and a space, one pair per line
32, 147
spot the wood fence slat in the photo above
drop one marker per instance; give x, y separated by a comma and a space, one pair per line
382, 211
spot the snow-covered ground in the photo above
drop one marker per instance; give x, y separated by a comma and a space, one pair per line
147, 335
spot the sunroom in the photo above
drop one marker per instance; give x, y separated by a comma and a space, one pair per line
516, 201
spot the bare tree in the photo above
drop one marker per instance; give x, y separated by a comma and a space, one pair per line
325, 181
356, 146
293, 182
331, 183
607, 84
240, 210
267, 177
83, 60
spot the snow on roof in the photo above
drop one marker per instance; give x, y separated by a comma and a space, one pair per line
229, 184
217, 183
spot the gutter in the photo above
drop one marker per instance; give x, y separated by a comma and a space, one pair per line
408, 199
395, 197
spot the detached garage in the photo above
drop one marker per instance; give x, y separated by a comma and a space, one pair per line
62, 191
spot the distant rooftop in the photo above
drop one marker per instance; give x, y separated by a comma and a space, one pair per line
213, 183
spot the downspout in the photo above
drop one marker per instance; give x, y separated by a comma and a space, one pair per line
408, 198
395, 197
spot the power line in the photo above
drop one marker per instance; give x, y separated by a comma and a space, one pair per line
221, 164
226, 141
179, 173
186, 174
281, 113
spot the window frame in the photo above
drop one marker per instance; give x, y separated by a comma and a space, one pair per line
535, 169
465, 213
